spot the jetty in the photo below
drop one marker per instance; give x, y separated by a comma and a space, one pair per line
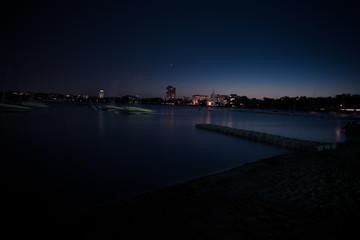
333, 115
281, 141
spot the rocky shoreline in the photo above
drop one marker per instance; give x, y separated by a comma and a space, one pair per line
310, 195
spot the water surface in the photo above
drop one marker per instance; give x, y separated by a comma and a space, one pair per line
72, 156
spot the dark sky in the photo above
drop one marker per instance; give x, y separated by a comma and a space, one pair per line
253, 48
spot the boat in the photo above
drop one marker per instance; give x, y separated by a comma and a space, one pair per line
137, 110
128, 109
112, 108
4, 107
352, 128
33, 104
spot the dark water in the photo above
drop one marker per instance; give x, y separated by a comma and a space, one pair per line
72, 156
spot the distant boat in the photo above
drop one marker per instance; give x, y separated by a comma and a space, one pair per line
33, 104
128, 109
137, 110
4, 107
112, 108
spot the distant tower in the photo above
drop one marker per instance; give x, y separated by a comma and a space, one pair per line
213, 100
101, 94
170, 93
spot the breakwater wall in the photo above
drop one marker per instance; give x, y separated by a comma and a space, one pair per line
286, 142
349, 116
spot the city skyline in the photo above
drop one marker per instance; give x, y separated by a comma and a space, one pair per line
171, 97
256, 49
101, 94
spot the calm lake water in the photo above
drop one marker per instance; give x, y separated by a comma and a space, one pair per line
71, 156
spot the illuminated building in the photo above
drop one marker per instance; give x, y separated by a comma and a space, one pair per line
170, 93
233, 99
200, 99
101, 94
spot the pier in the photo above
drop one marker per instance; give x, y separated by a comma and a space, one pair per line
285, 142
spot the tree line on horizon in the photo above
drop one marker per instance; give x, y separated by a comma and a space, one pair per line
303, 103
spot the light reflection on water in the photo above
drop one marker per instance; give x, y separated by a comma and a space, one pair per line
86, 156
339, 132
101, 123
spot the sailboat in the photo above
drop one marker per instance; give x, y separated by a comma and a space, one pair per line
32, 103
135, 109
128, 109
12, 108
5, 107
113, 107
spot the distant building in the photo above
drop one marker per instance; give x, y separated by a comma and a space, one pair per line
224, 99
184, 101
233, 99
200, 99
217, 99
101, 94
170, 93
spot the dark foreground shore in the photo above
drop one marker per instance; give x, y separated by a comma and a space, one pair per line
293, 196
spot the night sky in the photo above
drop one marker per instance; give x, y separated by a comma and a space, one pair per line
252, 48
